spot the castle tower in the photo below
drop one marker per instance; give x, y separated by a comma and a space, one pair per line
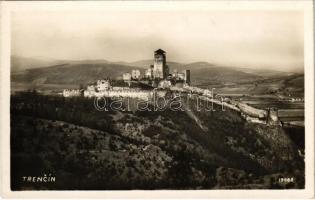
272, 116
160, 69
187, 76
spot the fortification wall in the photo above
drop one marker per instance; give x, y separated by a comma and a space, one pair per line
71, 92
251, 111
131, 93
251, 114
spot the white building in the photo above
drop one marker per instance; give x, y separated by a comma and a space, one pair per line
90, 88
135, 74
126, 76
181, 76
165, 84
149, 73
102, 85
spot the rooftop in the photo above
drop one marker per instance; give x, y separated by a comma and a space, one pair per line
159, 51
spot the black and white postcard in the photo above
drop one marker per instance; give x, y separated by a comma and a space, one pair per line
160, 98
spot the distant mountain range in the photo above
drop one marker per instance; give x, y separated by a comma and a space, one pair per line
50, 71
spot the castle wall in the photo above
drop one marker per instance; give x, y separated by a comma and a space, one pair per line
131, 93
71, 92
251, 111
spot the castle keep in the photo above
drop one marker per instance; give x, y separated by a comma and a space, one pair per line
160, 69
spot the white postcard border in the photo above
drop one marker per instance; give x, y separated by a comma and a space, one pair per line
8, 7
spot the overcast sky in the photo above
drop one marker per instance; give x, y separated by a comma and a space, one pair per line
269, 39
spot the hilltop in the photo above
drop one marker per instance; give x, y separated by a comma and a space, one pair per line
70, 73
146, 150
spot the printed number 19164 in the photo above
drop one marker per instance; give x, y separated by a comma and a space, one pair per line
286, 180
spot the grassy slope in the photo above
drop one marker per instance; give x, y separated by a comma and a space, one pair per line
71, 73
198, 158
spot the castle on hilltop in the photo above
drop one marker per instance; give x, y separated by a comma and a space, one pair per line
157, 81
159, 73
156, 76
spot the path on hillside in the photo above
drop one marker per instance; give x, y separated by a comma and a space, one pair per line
192, 115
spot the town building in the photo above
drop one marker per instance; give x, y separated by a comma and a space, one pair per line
174, 74
135, 74
102, 85
149, 72
90, 88
181, 76
164, 84
126, 76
